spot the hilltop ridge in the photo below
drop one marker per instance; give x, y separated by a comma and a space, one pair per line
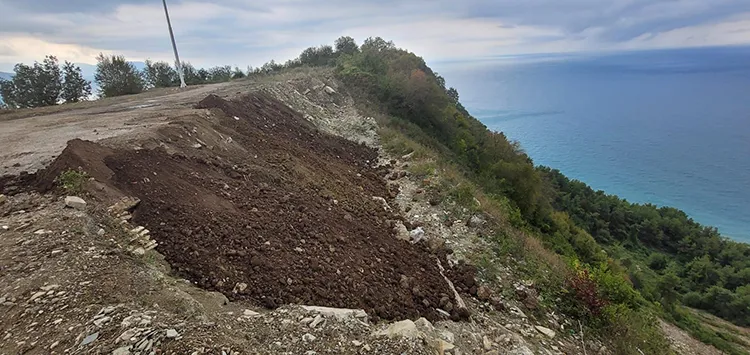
350, 179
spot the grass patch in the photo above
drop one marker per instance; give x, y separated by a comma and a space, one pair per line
72, 181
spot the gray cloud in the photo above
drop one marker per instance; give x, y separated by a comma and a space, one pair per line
237, 29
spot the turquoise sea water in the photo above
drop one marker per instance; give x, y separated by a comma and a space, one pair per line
668, 127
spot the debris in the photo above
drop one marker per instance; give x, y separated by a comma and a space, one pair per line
171, 333
90, 339
329, 90
75, 202
546, 331
405, 328
308, 337
249, 313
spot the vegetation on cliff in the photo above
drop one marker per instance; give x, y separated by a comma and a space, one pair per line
624, 262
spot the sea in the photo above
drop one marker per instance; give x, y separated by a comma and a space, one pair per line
667, 127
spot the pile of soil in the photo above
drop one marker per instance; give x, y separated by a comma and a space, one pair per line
269, 209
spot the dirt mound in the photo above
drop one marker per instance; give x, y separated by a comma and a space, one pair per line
254, 202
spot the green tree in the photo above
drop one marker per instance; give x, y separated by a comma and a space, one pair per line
33, 86
75, 87
238, 73
668, 288
160, 75
116, 76
346, 45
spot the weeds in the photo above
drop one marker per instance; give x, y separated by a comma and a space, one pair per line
72, 181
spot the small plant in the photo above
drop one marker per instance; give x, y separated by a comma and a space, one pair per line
72, 181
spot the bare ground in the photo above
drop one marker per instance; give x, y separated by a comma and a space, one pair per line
87, 281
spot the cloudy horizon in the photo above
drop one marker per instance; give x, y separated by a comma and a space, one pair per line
243, 32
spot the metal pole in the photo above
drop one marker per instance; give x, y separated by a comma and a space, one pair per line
178, 64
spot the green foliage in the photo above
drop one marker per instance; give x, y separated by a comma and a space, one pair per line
116, 76
75, 88
346, 45
72, 181
238, 73
719, 339
160, 75
33, 86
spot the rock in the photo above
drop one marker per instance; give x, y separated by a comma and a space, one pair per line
239, 287
382, 202
356, 343
497, 303
53, 345
171, 333
329, 90
101, 321
405, 328
197, 146
516, 311
486, 343
125, 350
75, 202
424, 325
476, 221
308, 337
407, 156
443, 346
522, 350
416, 234
139, 251
90, 339
37, 295
3, 199
484, 293
546, 331
49, 287
249, 313
318, 319
100, 232
401, 232
339, 313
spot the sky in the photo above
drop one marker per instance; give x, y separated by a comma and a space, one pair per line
251, 32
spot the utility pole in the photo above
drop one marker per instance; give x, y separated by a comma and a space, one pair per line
178, 64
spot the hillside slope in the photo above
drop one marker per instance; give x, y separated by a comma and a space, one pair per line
246, 197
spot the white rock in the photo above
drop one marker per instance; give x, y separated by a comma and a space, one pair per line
90, 339
329, 90
318, 319
75, 202
49, 287
308, 337
101, 321
3, 199
53, 345
125, 350
171, 333
139, 251
37, 295
250, 313
339, 313
356, 343
424, 325
197, 146
546, 331
405, 328
522, 350
416, 234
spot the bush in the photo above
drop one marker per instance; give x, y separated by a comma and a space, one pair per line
116, 76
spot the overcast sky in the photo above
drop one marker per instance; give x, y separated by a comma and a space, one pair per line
250, 32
